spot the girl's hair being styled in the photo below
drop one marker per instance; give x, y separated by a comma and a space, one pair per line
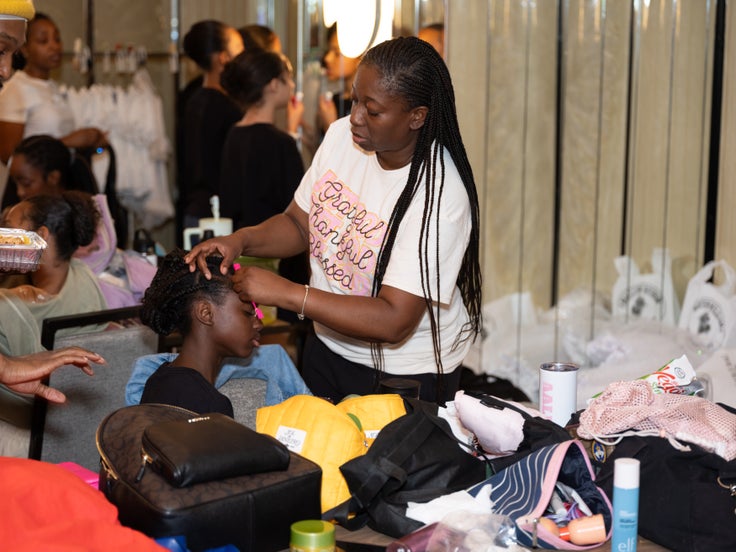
245, 77
204, 39
168, 300
413, 71
71, 218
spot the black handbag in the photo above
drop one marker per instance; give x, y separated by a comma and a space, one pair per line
252, 512
415, 458
208, 447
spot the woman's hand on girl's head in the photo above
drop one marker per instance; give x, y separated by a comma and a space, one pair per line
228, 247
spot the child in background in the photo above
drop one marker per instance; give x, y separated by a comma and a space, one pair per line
44, 165
214, 324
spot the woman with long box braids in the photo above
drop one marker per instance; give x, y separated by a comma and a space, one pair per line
388, 212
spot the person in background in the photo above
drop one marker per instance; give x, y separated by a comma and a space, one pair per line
261, 165
260, 37
214, 324
31, 102
44, 165
389, 214
338, 68
62, 284
208, 115
434, 34
25, 374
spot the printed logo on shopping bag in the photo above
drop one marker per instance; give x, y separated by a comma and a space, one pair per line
709, 310
642, 301
707, 323
649, 296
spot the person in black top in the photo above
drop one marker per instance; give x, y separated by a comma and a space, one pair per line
338, 68
208, 115
214, 324
261, 165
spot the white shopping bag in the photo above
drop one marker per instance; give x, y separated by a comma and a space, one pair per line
649, 296
709, 311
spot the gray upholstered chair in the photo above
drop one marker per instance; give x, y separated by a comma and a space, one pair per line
247, 396
66, 432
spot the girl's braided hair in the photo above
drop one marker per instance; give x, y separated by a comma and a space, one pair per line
412, 70
168, 300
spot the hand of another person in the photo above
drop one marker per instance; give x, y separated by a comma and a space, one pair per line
260, 285
327, 111
294, 114
88, 137
23, 374
31, 294
228, 247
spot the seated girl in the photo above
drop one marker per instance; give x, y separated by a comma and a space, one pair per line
62, 285
214, 324
44, 165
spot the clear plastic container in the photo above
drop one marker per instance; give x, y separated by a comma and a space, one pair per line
20, 250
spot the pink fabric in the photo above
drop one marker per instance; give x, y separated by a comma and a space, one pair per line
632, 408
99, 253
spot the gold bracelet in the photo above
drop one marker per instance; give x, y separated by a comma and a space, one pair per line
300, 316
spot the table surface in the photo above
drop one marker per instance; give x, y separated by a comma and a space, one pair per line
367, 536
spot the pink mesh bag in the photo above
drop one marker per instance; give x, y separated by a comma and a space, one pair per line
631, 408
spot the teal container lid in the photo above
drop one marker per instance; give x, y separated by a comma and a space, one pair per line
312, 533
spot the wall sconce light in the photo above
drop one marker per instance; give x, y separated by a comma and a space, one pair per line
330, 9
360, 23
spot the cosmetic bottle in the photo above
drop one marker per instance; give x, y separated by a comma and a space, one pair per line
625, 505
584, 530
312, 535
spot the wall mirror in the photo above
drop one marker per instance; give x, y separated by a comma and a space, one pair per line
592, 125
598, 141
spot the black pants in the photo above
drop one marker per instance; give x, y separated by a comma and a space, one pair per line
331, 376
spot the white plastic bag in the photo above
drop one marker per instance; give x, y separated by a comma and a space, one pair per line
709, 311
649, 296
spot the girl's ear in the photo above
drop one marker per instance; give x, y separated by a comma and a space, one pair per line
53, 179
202, 312
220, 59
43, 231
272, 86
418, 116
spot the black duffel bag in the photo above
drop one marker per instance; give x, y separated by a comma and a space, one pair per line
415, 458
687, 498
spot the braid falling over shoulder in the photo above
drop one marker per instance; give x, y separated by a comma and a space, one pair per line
412, 69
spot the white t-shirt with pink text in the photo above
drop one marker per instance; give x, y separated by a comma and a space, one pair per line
350, 198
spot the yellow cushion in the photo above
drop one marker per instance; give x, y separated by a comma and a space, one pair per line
374, 412
319, 431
